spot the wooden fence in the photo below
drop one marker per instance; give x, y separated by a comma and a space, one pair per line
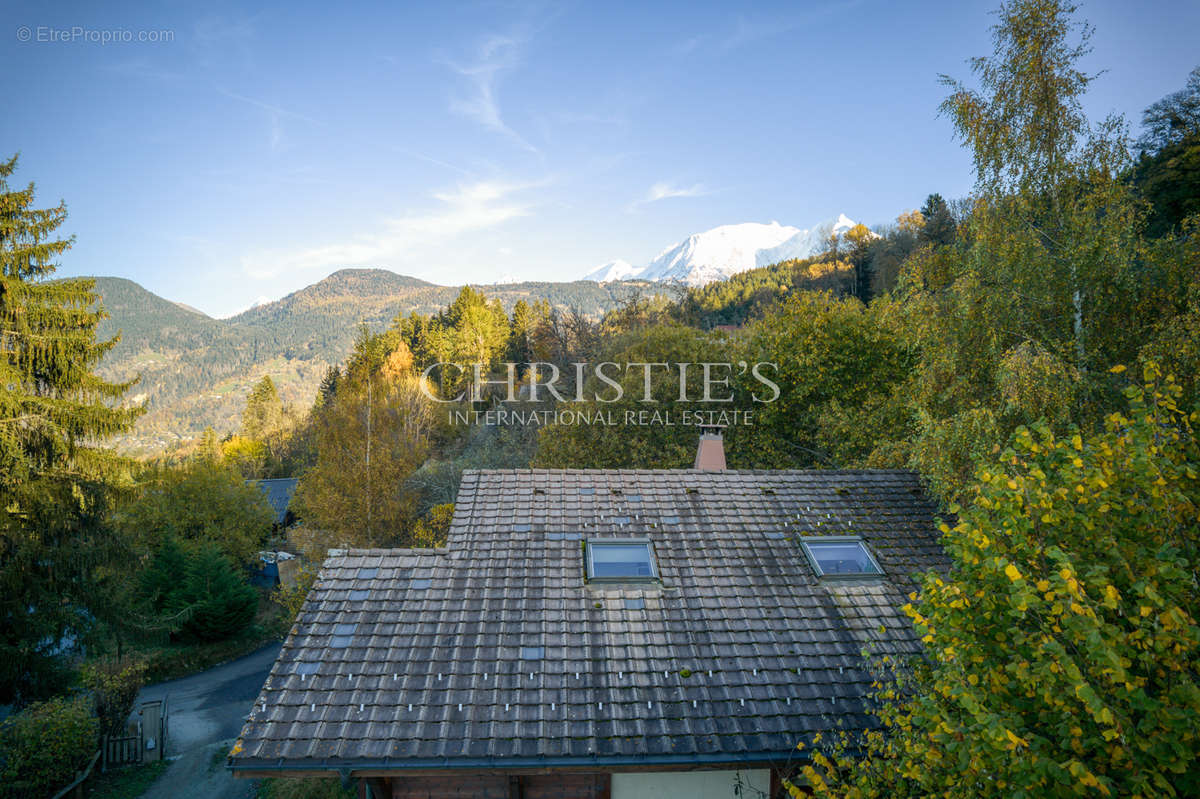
120, 750
75, 789
143, 744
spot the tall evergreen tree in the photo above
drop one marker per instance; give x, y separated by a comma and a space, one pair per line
264, 410
329, 386
54, 478
939, 228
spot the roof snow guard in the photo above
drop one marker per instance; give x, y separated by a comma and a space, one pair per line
737, 651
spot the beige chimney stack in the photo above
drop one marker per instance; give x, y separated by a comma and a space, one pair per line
710, 455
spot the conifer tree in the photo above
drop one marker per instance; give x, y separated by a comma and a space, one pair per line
939, 227
264, 410
54, 412
214, 600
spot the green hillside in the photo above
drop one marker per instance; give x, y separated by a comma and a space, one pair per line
196, 371
147, 319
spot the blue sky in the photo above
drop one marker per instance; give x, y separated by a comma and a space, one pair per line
267, 145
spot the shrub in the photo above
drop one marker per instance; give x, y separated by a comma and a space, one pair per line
291, 599
431, 530
114, 685
1062, 649
43, 746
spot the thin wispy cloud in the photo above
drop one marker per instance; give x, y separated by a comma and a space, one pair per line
275, 116
274, 109
465, 209
667, 191
220, 31
495, 55
748, 30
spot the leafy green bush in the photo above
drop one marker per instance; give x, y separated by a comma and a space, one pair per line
214, 600
114, 685
43, 746
200, 503
1062, 649
291, 598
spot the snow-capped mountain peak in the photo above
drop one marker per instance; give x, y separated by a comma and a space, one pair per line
724, 251
613, 270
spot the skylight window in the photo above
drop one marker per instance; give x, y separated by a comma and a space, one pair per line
620, 559
840, 556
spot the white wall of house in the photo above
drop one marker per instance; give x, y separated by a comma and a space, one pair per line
754, 784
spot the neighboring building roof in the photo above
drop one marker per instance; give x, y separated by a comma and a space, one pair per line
429, 659
279, 493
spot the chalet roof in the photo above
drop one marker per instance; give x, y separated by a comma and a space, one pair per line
278, 492
495, 652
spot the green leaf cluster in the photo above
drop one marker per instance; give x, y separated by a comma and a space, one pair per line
1063, 647
197, 503
43, 746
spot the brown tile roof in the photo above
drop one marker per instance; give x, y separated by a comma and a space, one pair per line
430, 658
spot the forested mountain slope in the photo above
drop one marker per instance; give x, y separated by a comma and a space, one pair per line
195, 370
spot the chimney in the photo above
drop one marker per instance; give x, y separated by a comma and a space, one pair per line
710, 455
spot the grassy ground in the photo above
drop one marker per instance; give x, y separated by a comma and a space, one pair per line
218, 757
125, 783
304, 789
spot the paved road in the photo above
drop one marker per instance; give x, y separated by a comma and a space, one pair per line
206, 715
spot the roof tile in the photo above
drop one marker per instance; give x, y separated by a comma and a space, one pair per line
740, 649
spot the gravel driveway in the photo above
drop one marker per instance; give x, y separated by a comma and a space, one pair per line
206, 715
